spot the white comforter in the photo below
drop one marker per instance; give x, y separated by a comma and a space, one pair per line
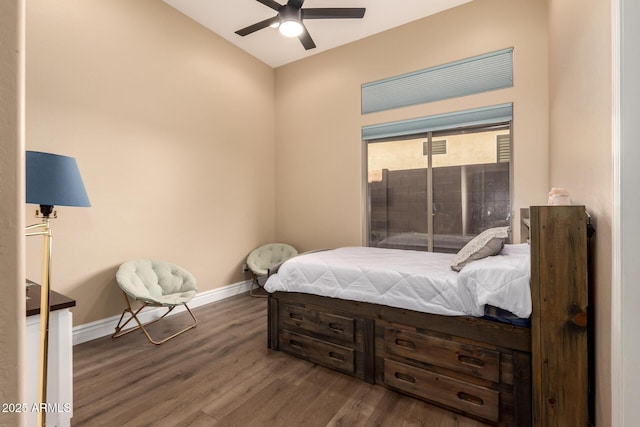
415, 280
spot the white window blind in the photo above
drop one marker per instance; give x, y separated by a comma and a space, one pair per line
474, 117
468, 76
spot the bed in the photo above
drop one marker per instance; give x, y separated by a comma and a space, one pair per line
471, 341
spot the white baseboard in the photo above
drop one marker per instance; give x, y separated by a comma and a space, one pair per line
102, 328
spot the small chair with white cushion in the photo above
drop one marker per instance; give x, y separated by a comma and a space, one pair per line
265, 260
154, 283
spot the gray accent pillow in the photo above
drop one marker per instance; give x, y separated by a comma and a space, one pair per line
487, 243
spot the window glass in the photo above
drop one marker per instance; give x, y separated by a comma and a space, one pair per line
450, 185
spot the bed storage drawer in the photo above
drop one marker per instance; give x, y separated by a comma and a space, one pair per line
463, 358
329, 325
321, 352
472, 399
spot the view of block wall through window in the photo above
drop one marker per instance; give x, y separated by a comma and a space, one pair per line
455, 193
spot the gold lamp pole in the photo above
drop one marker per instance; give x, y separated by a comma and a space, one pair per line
45, 231
51, 180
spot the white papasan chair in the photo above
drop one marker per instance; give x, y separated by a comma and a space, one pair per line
265, 260
154, 283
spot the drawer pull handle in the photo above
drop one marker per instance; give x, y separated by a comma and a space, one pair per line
470, 398
336, 327
296, 344
405, 377
470, 361
406, 344
336, 356
295, 316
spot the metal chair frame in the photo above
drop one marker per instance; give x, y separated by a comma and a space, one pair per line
256, 282
134, 316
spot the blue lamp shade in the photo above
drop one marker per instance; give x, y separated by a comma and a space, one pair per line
54, 180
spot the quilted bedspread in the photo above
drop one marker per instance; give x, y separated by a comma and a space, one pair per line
415, 280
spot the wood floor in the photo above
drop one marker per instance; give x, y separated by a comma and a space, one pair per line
222, 374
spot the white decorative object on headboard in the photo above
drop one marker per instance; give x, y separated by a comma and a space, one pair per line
559, 197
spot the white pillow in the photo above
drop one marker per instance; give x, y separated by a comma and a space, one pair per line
485, 244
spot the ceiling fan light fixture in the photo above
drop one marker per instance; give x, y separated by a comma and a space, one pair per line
290, 28
291, 16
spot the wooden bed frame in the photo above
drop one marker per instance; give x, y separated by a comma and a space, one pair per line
495, 372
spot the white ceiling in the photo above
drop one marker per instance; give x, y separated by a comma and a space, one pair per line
224, 17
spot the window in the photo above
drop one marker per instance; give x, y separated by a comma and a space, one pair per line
437, 147
504, 148
450, 188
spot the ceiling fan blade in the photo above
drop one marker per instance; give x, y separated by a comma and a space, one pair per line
271, 3
333, 13
258, 26
295, 3
306, 39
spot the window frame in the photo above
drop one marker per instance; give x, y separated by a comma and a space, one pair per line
429, 135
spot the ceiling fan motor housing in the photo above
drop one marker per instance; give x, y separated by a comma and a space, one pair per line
290, 13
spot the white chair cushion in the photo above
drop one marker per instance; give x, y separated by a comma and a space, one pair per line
157, 282
266, 257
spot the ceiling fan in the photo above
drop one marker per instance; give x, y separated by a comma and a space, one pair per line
290, 16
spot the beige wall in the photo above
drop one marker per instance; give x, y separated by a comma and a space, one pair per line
12, 302
580, 141
173, 131
467, 149
318, 146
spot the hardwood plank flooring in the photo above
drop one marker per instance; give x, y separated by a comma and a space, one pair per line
222, 374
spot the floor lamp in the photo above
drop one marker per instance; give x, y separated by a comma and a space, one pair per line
51, 180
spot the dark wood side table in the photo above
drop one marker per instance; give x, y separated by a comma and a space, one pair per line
56, 301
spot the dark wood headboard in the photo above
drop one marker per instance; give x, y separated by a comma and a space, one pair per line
559, 296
